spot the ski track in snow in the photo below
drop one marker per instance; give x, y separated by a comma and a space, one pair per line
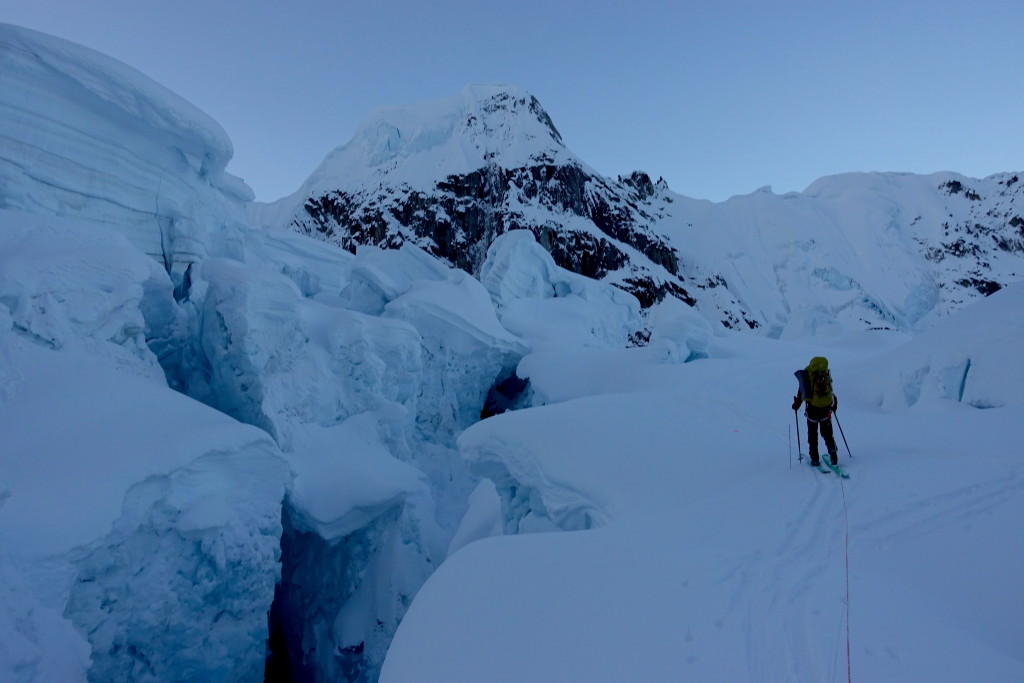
792, 601
808, 564
805, 564
783, 582
938, 512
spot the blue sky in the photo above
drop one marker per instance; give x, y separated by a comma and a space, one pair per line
719, 97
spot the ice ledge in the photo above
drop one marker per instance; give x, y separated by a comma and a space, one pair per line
95, 75
531, 499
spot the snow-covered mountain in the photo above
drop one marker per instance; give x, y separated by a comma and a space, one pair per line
858, 251
229, 451
868, 250
451, 175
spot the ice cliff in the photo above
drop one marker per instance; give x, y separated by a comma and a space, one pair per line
84, 135
148, 521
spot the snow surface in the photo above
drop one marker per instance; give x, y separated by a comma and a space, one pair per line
321, 456
699, 547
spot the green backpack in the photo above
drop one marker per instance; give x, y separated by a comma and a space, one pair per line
819, 382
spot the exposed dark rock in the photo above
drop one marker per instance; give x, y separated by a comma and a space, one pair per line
984, 287
961, 248
956, 187
641, 182
465, 213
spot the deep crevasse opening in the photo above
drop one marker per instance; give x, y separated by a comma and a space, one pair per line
338, 604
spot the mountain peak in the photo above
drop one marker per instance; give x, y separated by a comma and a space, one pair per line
498, 101
485, 125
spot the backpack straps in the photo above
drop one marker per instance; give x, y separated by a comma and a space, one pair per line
805, 384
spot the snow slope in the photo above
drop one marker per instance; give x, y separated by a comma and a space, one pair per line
412, 146
699, 549
858, 250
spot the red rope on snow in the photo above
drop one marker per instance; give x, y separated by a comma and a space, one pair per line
846, 552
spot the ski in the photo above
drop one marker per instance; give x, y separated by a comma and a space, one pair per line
825, 462
820, 466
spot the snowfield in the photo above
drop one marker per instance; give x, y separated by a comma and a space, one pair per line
700, 549
230, 452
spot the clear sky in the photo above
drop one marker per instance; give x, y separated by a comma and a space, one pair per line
719, 97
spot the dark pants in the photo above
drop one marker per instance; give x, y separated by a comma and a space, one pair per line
822, 417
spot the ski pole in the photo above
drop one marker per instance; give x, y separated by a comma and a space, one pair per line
796, 418
836, 416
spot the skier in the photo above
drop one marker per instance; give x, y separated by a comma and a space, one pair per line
816, 391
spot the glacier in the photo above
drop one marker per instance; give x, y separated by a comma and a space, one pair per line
143, 518
154, 526
257, 430
232, 450
83, 135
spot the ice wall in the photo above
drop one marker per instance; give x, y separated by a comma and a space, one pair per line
278, 360
130, 515
124, 256
551, 307
364, 381
180, 589
72, 284
951, 362
85, 135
